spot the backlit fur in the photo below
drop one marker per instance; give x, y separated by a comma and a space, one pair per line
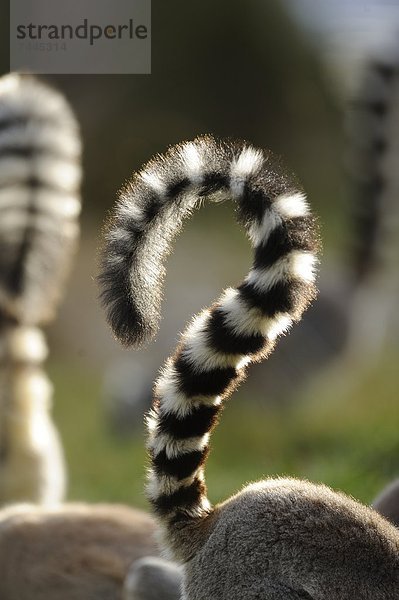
277, 539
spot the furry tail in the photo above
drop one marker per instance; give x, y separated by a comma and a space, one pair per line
372, 123
374, 135
39, 207
241, 327
39, 197
32, 465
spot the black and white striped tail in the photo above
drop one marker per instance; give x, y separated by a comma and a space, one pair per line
239, 328
39, 197
373, 127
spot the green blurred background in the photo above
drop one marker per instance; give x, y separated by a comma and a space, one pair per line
239, 69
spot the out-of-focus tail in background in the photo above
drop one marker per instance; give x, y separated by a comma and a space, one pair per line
373, 131
40, 175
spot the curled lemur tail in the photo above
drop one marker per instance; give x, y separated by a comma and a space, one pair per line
39, 207
373, 129
239, 328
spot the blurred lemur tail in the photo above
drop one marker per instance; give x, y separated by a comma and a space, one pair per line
39, 197
40, 175
373, 131
239, 328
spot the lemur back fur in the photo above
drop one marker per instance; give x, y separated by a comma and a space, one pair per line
73, 551
276, 539
39, 206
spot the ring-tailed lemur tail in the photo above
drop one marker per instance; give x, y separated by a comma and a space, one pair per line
39, 207
277, 539
40, 176
241, 327
369, 140
373, 128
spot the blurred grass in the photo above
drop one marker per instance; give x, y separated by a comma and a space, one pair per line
347, 440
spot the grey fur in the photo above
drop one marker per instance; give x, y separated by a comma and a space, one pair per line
153, 578
71, 551
292, 539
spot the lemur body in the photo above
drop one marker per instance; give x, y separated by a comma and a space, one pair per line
277, 539
71, 551
40, 176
